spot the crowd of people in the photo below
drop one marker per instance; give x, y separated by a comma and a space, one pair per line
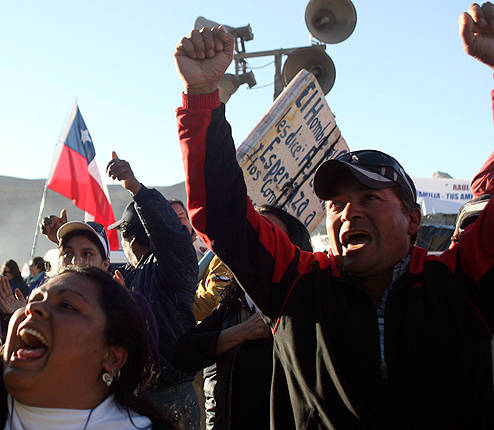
372, 334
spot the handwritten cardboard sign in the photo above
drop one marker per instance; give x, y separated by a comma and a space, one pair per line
281, 154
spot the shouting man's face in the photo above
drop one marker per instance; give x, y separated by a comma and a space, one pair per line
369, 230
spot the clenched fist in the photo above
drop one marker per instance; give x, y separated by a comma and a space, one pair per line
202, 58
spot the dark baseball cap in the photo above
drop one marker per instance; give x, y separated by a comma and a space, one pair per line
373, 169
129, 216
95, 228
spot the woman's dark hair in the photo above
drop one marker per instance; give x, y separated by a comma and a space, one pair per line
39, 263
13, 268
297, 232
88, 235
125, 327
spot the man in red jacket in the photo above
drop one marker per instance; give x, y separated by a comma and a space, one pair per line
377, 334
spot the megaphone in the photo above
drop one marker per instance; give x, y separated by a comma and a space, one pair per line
229, 83
331, 21
314, 60
245, 33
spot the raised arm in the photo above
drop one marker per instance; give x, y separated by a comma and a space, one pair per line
477, 34
474, 246
258, 254
170, 240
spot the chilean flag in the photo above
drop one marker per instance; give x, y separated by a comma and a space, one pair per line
75, 175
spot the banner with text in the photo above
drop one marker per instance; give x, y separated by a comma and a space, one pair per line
281, 154
441, 195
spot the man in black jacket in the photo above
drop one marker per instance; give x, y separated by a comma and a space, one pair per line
377, 334
163, 267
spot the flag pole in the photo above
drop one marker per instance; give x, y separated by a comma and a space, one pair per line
36, 231
45, 190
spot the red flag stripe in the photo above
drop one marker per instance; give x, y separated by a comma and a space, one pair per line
72, 179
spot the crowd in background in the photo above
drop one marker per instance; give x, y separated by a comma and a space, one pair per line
373, 333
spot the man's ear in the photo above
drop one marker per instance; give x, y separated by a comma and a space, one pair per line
414, 221
106, 263
132, 241
114, 358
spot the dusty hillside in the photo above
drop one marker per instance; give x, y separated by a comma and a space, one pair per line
19, 206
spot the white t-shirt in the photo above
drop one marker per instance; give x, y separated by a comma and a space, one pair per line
106, 416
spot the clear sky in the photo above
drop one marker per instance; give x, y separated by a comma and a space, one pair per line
403, 84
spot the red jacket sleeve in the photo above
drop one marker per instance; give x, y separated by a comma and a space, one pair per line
220, 210
264, 261
483, 182
475, 246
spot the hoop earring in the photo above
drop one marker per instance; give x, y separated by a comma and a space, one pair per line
107, 378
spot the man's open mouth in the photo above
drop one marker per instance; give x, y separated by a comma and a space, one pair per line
355, 239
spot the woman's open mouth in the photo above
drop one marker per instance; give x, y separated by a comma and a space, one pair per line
32, 345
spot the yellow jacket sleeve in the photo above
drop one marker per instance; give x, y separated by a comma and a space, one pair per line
208, 293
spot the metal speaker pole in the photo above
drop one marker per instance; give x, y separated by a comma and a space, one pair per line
314, 60
330, 21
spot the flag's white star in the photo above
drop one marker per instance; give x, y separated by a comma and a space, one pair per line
85, 136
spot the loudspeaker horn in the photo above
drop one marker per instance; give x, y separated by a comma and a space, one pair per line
243, 32
316, 61
330, 21
229, 83
204, 22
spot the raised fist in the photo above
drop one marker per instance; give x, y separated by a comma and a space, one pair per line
51, 224
202, 58
477, 32
121, 170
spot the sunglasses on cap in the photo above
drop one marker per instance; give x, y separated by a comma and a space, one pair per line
100, 230
382, 164
97, 227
